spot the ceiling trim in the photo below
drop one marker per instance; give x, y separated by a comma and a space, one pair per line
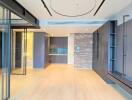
72, 22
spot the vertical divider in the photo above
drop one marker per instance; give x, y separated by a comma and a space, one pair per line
124, 45
25, 51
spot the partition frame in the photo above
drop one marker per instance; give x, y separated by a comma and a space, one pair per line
24, 56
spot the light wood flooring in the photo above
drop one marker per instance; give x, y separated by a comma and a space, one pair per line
61, 82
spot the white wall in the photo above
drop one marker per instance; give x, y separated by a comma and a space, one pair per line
125, 11
71, 49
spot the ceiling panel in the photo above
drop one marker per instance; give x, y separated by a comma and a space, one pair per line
73, 8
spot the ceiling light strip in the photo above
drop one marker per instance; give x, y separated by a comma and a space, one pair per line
99, 7
46, 7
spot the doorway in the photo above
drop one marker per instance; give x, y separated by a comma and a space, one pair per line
19, 49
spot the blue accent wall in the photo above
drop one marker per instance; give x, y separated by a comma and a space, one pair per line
39, 50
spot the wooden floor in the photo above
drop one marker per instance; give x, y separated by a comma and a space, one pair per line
61, 82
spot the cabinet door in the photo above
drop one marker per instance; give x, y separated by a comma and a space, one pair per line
128, 66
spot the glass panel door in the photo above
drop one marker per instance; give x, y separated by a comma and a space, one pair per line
19, 43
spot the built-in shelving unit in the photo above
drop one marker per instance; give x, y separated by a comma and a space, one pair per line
112, 46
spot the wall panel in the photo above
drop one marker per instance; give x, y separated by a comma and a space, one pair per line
39, 50
100, 50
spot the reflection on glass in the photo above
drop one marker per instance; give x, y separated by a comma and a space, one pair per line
58, 51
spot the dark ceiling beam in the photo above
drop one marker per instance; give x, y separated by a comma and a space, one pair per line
19, 10
46, 7
99, 7
22, 27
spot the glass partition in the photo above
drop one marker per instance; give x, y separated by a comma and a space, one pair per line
13, 51
18, 53
4, 53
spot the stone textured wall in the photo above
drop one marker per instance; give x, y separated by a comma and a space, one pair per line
83, 50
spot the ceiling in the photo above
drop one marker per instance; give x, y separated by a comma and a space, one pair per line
71, 8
